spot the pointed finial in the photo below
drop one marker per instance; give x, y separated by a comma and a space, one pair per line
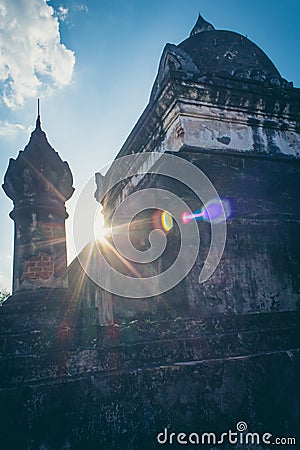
38, 120
201, 25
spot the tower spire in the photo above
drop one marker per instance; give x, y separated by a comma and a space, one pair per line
201, 25
38, 120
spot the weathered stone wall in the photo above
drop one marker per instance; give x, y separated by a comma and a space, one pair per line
38, 266
39, 233
259, 270
260, 265
67, 383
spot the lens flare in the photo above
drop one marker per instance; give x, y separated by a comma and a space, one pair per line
162, 220
211, 212
166, 221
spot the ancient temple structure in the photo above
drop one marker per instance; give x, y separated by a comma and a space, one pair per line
85, 368
220, 103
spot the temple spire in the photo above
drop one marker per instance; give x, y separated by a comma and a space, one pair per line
201, 25
38, 120
39, 183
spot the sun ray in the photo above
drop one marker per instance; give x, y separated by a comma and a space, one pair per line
125, 261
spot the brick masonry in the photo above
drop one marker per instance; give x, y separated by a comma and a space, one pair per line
38, 266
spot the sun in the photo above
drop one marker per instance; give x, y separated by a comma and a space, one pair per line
100, 231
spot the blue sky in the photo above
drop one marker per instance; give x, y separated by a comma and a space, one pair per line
94, 87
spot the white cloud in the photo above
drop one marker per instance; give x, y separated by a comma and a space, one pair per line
62, 13
32, 58
10, 129
66, 15
81, 7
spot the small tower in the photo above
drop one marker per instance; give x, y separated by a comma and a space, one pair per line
39, 183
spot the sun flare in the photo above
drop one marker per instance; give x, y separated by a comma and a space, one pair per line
100, 231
